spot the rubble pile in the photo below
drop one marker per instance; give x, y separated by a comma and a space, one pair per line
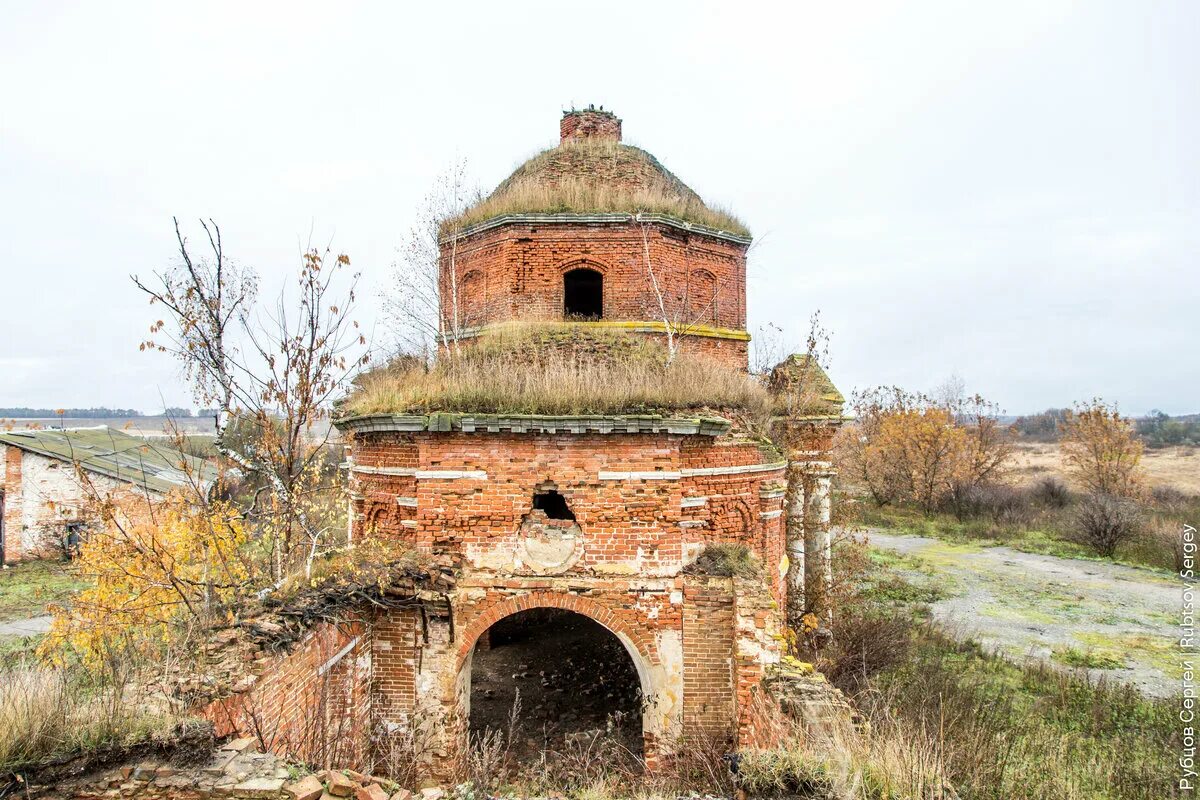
231, 657
236, 771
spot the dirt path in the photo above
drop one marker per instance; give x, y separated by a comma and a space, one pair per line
26, 627
1070, 612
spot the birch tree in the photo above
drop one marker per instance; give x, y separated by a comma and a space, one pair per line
268, 374
422, 276
675, 313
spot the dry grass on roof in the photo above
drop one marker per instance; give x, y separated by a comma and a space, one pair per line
561, 368
596, 177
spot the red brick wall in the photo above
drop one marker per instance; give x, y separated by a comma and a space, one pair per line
708, 695
12, 504
621, 520
396, 658
602, 125
515, 272
305, 705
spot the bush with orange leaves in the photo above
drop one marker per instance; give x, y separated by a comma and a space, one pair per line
1101, 451
155, 569
907, 448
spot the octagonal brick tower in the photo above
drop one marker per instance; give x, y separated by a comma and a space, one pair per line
621, 518
596, 230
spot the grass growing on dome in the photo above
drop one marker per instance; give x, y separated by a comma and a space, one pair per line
596, 177
557, 368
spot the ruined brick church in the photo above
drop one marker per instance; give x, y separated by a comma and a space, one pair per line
601, 518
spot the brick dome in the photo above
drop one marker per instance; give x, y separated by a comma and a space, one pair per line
592, 171
599, 232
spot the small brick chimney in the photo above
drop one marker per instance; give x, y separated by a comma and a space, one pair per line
589, 123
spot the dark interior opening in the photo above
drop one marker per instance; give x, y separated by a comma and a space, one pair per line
573, 677
583, 294
554, 504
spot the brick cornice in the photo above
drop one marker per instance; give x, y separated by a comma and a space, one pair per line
532, 423
592, 219
633, 325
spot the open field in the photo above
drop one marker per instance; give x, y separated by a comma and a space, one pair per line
1113, 621
1169, 466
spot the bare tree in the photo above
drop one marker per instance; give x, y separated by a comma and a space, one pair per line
270, 376
423, 276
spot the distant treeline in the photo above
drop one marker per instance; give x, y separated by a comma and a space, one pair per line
1156, 429
103, 412
76, 413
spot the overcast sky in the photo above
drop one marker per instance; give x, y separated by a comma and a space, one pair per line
1005, 191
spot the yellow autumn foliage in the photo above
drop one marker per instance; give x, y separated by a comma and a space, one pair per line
153, 568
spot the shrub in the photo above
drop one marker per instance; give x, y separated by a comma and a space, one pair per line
725, 560
1106, 521
1170, 499
1051, 492
1100, 450
865, 644
997, 501
906, 447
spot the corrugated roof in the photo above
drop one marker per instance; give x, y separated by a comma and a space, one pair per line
150, 464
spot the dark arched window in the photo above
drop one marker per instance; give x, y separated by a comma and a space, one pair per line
583, 294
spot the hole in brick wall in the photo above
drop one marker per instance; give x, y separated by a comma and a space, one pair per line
583, 294
577, 685
554, 504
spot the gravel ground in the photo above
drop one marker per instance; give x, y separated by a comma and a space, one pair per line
1050, 608
26, 627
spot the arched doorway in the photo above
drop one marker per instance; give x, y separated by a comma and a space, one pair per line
583, 294
549, 679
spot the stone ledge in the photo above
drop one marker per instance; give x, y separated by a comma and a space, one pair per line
634, 326
533, 423
593, 219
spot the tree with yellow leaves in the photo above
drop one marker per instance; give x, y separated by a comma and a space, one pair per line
153, 569
1101, 450
906, 447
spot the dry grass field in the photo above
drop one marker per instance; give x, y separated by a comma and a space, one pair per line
1178, 467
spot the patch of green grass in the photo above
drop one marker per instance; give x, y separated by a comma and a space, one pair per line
1088, 659
16, 649
1007, 612
1045, 536
900, 580
1156, 651
27, 589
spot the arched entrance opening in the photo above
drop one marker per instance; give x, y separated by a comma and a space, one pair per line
583, 294
569, 679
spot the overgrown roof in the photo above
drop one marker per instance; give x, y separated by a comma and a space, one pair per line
149, 464
803, 388
558, 369
597, 176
